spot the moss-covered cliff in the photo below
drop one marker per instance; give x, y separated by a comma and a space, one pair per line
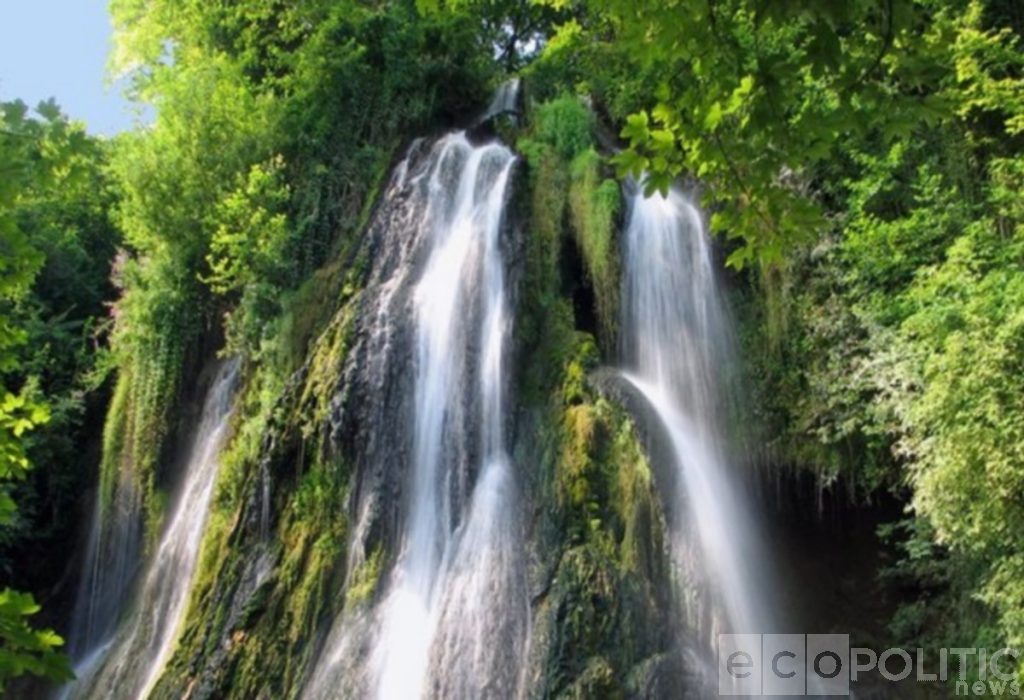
276, 566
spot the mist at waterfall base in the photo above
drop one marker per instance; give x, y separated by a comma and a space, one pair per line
677, 350
128, 661
453, 620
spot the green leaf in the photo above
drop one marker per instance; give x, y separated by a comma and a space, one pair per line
636, 129
629, 163
713, 117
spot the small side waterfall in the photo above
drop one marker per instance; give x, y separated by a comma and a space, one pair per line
128, 662
453, 619
112, 560
676, 347
505, 100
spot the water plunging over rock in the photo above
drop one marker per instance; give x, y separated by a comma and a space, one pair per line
425, 386
676, 349
128, 662
112, 560
505, 101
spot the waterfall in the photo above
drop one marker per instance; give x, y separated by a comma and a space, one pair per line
505, 100
676, 338
112, 559
452, 620
129, 661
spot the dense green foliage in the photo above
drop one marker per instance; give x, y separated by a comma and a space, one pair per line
262, 157
559, 147
897, 344
57, 244
862, 160
751, 97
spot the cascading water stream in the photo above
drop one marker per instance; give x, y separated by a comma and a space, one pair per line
111, 563
453, 620
129, 661
677, 348
505, 100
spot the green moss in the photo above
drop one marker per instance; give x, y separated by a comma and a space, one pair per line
157, 501
564, 123
601, 516
134, 433
583, 358
570, 195
116, 435
305, 313
271, 642
587, 579
577, 464
603, 482
548, 185
365, 579
594, 204
324, 369
544, 320
642, 538
317, 558
594, 626
598, 680
602, 519
601, 479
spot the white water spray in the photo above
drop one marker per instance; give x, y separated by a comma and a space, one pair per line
453, 620
112, 561
440, 583
676, 345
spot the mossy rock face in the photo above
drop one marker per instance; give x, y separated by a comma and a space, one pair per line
273, 559
596, 681
570, 622
669, 675
600, 574
602, 584
281, 559
365, 580
575, 205
593, 626
595, 205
